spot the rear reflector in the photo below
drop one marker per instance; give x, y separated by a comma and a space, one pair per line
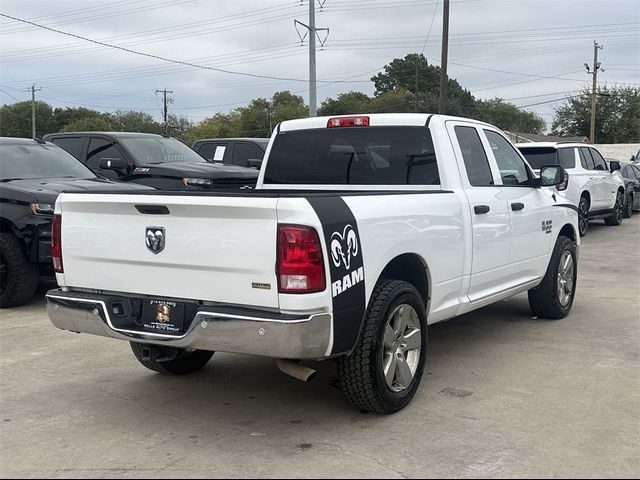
348, 122
56, 243
300, 267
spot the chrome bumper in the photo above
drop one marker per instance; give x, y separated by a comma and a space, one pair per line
306, 336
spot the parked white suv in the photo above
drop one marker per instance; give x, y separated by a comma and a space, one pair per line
597, 190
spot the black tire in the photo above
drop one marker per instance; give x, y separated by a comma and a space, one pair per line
362, 372
18, 277
187, 361
628, 206
583, 216
618, 210
546, 300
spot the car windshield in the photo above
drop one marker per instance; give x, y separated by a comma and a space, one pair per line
152, 150
538, 157
39, 161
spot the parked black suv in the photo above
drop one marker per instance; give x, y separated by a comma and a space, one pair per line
161, 162
32, 175
244, 152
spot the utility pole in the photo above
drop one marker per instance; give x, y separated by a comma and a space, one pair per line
33, 110
416, 89
166, 123
312, 31
594, 73
442, 104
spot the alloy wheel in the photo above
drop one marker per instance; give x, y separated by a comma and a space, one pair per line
401, 347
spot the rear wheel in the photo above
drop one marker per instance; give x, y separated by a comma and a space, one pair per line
176, 361
553, 298
583, 216
628, 206
616, 217
384, 370
18, 277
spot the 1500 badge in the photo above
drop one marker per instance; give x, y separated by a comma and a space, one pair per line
547, 226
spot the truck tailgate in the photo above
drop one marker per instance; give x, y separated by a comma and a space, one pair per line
216, 248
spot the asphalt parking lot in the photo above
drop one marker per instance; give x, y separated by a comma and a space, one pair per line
505, 395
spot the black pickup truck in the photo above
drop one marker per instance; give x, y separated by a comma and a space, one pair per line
32, 175
149, 159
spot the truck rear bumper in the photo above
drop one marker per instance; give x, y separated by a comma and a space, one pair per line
307, 336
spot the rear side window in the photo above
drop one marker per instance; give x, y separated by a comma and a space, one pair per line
354, 156
475, 158
73, 145
538, 157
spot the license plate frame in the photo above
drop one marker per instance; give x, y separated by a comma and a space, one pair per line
163, 316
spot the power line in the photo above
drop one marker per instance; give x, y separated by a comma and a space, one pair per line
149, 55
7, 93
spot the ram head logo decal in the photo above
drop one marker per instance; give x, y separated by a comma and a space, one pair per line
155, 239
344, 247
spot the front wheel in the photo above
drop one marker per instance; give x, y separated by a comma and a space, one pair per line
18, 277
554, 296
384, 370
628, 207
616, 217
176, 361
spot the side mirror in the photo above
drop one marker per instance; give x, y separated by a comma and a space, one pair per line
554, 175
614, 165
112, 163
254, 163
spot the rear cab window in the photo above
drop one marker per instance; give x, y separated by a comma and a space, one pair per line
389, 155
538, 157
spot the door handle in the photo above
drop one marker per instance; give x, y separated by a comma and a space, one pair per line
480, 209
517, 206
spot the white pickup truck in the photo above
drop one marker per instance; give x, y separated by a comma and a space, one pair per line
361, 232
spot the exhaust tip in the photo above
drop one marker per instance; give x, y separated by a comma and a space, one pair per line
296, 370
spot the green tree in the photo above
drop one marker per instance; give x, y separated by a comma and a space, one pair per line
507, 116
345, 103
401, 73
220, 125
96, 123
132, 121
67, 115
617, 115
398, 100
259, 117
179, 125
15, 119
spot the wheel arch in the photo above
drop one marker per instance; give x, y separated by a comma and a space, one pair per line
411, 268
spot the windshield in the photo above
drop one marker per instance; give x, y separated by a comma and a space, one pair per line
360, 155
538, 157
39, 161
151, 150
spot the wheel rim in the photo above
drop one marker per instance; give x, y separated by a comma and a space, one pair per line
401, 347
619, 203
583, 218
565, 278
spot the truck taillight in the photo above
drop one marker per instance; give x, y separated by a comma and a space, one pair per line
300, 267
358, 121
56, 243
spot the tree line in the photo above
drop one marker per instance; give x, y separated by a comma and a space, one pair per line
405, 85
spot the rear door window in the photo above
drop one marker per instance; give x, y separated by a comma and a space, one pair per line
474, 156
586, 159
73, 145
353, 156
243, 152
598, 161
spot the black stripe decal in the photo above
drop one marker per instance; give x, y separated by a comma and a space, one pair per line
346, 269
567, 205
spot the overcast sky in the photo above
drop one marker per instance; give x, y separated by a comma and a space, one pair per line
524, 51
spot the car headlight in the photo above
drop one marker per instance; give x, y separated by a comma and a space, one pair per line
42, 208
197, 181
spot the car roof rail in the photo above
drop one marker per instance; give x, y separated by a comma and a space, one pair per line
40, 140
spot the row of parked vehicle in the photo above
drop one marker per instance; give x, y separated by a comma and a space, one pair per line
34, 173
